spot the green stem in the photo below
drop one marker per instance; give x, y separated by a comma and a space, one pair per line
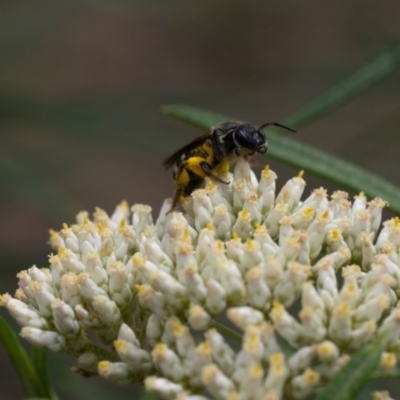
40, 363
27, 374
230, 333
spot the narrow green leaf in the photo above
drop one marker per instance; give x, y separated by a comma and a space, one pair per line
40, 363
392, 373
379, 68
303, 156
349, 381
228, 332
27, 375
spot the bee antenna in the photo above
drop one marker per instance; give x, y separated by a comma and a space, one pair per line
276, 124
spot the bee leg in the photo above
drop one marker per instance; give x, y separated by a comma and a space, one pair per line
207, 170
175, 201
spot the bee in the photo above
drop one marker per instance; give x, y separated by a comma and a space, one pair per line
211, 154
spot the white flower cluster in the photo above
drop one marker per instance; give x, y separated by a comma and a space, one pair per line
150, 292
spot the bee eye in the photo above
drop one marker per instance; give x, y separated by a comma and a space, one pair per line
245, 139
251, 140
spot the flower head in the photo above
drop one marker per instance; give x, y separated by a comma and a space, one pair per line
239, 250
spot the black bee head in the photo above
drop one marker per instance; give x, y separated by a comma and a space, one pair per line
251, 138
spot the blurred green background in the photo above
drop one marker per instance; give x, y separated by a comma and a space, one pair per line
82, 83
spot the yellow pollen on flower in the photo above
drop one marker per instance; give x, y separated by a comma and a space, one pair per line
370, 326
361, 195
323, 217
350, 289
139, 288
186, 235
285, 195
209, 226
210, 185
235, 237
122, 227
306, 313
257, 371
266, 170
190, 269
104, 367
254, 274
311, 376
281, 207
138, 260
388, 361
121, 345
63, 252
396, 223
244, 214
233, 396
159, 350
334, 234
342, 310
250, 245
277, 362
252, 343
65, 229
124, 204
277, 312
204, 348
300, 174
308, 212
325, 349
179, 329
52, 233
103, 231
383, 300
196, 311
219, 247
209, 374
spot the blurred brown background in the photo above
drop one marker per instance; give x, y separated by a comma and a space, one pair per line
82, 83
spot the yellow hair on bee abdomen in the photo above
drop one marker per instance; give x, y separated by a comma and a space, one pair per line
182, 179
193, 164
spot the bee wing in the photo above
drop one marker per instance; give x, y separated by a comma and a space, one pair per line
171, 160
